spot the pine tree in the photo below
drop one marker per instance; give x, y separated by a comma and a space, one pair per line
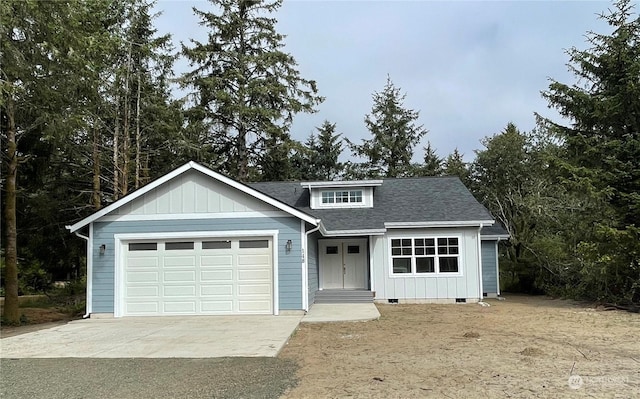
455, 165
395, 133
603, 150
433, 164
324, 152
246, 89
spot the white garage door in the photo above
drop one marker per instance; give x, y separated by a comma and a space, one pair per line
202, 276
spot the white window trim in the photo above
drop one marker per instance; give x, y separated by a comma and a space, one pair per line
120, 257
437, 273
348, 204
316, 198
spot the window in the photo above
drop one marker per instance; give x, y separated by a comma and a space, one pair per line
216, 244
143, 246
342, 197
254, 244
172, 246
425, 255
332, 250
353, 249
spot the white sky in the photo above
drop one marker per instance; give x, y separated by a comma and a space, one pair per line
469, 67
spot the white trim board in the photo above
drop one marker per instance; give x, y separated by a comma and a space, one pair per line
182, 169
192, 216
461, 223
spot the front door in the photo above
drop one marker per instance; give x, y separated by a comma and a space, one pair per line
343, 264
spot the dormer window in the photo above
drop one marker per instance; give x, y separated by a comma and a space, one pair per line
342, 197
341, 194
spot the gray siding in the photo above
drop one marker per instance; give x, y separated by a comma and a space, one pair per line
312, 257
289, 270
489, 277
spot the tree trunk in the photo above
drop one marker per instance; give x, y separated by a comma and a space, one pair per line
138, 136
242, 154
116, 163
11, 309
126, 138
96, 197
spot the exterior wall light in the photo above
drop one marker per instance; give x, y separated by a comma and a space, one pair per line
103, 248
289, 245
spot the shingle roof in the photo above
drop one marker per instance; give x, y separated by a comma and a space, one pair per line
424, 199
496, 230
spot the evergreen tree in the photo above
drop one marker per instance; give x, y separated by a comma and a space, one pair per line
455, 165
246, 89
395, 133
324, 152
603, 150
43, 70
433, 164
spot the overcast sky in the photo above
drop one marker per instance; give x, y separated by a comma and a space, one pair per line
469, 67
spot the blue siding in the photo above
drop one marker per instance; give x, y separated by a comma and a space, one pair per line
312, 258
489, 265
289, 270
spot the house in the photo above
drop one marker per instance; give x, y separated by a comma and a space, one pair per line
197, 242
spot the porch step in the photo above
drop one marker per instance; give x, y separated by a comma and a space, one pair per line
344, 296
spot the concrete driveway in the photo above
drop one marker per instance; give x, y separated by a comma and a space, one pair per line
156, 337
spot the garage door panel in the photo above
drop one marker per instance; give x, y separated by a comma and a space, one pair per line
179, 262
142, 263
216, 290
216, 260
143, 277
254, 260
207, 276
254, 289
179, 290
181, 276
142, 291
217, 275
254, 275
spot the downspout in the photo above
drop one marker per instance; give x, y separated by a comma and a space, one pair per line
497, 269
481, 297
89, 272
306, 264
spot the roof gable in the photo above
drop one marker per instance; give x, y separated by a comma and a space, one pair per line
145, 199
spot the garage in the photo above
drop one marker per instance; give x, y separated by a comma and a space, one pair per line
201, 276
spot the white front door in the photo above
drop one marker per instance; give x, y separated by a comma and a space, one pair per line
343, 264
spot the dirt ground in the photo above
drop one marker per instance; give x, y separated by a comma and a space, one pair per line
523, 347
37, 319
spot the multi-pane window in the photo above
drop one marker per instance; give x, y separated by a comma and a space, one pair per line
342, 197
425, 255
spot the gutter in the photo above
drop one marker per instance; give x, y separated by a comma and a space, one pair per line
88, 239
480, 294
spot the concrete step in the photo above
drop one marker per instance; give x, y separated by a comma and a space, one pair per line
343, 296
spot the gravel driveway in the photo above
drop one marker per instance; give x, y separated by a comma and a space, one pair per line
71, 378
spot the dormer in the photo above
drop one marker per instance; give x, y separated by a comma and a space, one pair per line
341, 194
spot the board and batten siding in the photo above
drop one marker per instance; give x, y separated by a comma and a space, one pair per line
489, 268
189, 193
312, 263
427, 288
